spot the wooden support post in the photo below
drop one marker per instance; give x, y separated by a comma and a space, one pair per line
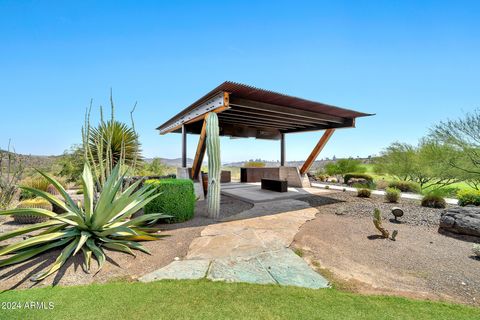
184, 147
282, 149
199, 155
316, 151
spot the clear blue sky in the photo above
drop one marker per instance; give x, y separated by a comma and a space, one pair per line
412, 63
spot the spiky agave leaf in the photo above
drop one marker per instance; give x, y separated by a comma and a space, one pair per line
104, 222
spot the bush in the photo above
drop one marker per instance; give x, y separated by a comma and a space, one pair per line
177, 199
392, 195
382, 184
364, 176
405, 186
364, 193
333, 180
476, 250
434, 200
468, 197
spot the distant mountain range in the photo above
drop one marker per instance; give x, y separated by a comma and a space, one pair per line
44, 162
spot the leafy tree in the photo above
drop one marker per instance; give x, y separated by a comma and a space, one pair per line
344, 166
424, 164
71, 163
155, 168
462, 136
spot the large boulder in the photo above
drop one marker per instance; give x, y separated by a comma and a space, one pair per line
461, 220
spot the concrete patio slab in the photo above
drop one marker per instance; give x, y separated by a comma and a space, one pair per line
252, 192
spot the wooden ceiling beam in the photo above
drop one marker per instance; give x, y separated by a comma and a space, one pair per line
239, 109
240, 114
262, 120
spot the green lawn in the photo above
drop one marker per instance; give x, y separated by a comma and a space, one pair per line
214, 300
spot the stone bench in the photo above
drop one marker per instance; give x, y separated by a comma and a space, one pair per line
275, 185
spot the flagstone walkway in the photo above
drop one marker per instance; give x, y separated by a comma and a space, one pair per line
251, 246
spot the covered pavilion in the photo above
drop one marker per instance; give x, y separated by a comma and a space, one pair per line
245, 111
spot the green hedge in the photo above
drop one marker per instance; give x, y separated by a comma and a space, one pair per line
177, 199
468, 197
348, 176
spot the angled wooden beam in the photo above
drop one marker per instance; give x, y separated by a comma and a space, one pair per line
316, 151
200, 153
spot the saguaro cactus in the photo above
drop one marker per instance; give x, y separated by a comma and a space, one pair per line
213, 153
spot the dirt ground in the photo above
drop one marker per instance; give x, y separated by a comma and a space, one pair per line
119, 266
422, 263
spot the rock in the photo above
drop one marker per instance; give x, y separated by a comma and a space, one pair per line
461, 220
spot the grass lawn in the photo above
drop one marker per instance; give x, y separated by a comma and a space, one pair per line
215, 300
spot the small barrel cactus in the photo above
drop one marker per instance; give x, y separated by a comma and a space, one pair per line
52, 190
214, 165
24, 218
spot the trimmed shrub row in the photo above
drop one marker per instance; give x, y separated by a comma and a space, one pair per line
177, 199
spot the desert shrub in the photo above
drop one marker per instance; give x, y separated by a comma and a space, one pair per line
364, 193
476, 250
392, 195
327, 187
177, 199
348, 176
434, 199
405, 186
382, 184
468, 197
321, 177
333, 180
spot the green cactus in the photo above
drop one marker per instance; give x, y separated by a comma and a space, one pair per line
377, 221
214, 170
25, 218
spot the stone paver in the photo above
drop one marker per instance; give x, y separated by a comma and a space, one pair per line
186, 269
253, 247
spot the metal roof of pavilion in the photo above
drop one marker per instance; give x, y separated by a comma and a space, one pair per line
246, 111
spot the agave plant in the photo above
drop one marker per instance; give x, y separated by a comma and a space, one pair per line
103, 221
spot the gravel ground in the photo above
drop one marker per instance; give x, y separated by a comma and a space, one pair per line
422, 263
118, 265
347, 203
